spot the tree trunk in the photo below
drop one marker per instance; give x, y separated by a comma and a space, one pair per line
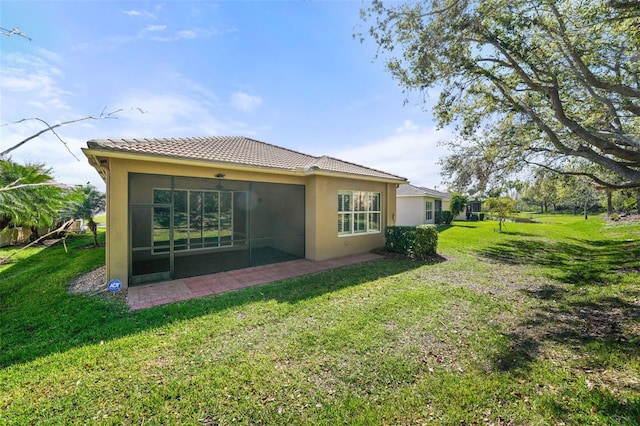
94, 230
638, 200
586, 203
609, 204
34, 234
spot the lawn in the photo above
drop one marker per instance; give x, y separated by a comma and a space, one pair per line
536, 325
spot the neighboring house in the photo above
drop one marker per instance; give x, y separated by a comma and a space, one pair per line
19, 235
193, 206
473, 208
417, 205
12, 236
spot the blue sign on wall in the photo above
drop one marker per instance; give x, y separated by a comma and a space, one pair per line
114, 285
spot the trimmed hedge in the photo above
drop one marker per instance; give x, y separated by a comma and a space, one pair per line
399, 239
420, 241
426, 241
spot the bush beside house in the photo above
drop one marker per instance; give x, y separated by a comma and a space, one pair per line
416, 241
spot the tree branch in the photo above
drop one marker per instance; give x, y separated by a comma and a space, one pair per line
591, 176
51, 129
13, 185
584, 69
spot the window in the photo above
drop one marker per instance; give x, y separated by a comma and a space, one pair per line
359, 212
429, 210
201, 219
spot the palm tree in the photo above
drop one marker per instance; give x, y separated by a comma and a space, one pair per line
91, 203
29, 196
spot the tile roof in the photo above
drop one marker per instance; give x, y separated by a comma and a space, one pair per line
421, 191
235, 150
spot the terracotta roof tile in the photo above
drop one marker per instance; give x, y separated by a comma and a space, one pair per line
235, 150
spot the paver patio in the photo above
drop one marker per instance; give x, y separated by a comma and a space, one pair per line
148, 295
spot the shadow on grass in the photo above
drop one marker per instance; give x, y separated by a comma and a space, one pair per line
598, 324
579, 312
518, 234
442, 228
599, 332
467, 225
39, 318
578, 262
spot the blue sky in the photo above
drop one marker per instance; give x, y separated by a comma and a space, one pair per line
284, 72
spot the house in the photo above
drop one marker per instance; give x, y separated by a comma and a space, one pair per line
192, 206
419, 205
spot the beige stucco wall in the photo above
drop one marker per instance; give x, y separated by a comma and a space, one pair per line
321, 207
322, 237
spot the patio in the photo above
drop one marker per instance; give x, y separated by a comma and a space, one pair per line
146, 296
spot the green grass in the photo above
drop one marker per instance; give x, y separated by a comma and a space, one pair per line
536, 325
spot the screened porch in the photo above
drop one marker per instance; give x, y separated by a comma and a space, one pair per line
183, 227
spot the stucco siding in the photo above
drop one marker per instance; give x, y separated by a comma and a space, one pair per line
323, 217
320, 216
410, 211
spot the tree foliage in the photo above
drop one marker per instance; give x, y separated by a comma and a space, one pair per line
543, 190
29, 196
579, 193
458, 203
90, 203
524, 82
500, 208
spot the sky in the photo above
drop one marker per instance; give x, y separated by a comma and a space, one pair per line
288, 73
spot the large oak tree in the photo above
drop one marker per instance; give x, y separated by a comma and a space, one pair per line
541, 82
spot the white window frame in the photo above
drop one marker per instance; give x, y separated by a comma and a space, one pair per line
188, 246
428, 207
359, 213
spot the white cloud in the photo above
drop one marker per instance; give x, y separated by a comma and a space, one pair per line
412, 152
154, 28
160, 33
187, 34
139, 13
31, 80
244, 101
165, 115
51, 151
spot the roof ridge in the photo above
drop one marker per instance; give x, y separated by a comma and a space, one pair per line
240, 150
360, 165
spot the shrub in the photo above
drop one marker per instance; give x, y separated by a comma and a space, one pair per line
399, 239
447, 217
426, 240
421, 241
481, 216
